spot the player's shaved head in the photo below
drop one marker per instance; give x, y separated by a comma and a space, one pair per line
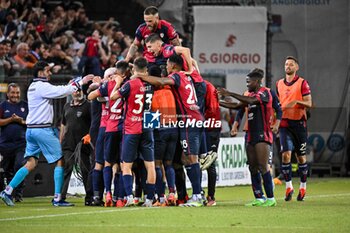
151, 10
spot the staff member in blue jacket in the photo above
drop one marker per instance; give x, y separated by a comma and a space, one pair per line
13, 114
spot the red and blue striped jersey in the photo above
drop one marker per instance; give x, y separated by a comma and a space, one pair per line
138, 98
185, 96
259, 117
165, 30
165, 52
212, 108
115, 120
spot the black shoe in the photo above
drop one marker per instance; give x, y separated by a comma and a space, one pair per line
88, 203
18, 199
203, 198
97, 202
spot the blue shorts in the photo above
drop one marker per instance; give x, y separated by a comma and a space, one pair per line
99, 148
135, 144
45, 141
190, 139
112, 147
165, 140
294, 137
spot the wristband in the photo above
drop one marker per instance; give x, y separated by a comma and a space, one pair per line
78, 82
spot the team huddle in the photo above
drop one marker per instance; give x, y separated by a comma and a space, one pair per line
160, 116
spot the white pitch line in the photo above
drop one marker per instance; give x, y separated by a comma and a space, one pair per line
329, 195
69, 214
133, 209
306, 197
167, 226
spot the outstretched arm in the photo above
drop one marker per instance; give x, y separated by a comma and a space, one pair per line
242, 98
156, 81
115, 94
186, 54
132, 50
231, 105
94, 94
175, 41
93, 88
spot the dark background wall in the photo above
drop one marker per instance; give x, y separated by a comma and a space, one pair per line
127, 12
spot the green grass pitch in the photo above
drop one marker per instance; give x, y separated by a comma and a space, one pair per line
326, 209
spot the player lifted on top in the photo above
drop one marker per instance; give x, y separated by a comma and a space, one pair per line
152, 24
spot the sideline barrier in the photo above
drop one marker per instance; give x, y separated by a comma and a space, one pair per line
231, 164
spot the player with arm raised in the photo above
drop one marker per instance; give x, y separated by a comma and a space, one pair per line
259, 136
137, 139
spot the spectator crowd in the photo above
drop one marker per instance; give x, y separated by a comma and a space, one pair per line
61, 34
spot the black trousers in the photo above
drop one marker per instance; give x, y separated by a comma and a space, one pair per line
85, 166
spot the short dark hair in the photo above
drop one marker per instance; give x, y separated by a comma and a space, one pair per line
177, 60
36, 45
154, 70
140, 63
151, 10
256, 73
39, 66
122, 66
292, 58
5, 42
12, 13
152, 38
